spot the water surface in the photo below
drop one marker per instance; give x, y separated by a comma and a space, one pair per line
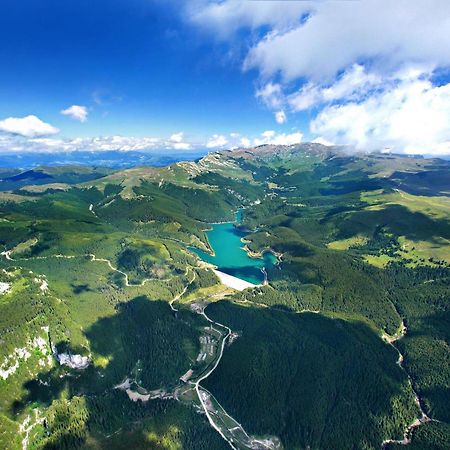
230, 256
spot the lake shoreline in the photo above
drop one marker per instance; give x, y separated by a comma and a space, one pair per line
230, 255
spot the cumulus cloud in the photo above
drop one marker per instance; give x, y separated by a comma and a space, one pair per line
308, 39
352, 84
182, 146
217, 141
29, 126
76, 112
236, 140
271, 94
384, 32
412, 116
271, 137
226, 17
322, 140
245, 142
177, 137
280, 117
178, 142
369, 82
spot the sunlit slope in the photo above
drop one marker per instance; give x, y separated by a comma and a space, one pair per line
363, 242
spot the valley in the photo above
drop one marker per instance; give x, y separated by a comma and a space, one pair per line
119, 267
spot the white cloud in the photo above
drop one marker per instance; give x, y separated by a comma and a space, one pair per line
338, 34
103, 143
226, 17
179, 142
270, 137
271, 94
266, 137
177, 137
182, 146
306, 97
412, 116
123, 143
236, 140
217, 141
318, 39
29, 126
323, 141
17, 144
364, 68
245, 142
280, 117
268, 134
76, 112
353, 83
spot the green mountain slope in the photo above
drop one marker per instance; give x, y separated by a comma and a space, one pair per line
93, 260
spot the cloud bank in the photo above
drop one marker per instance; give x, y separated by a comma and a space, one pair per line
411, 115
176, 142
103, 143
365, 70
236, 140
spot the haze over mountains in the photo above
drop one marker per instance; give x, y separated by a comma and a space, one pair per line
114, 159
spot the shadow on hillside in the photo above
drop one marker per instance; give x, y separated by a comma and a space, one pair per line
341, 187
143, 340
427, 183
395, 219
438, 397
432, 335
306, 378
142, 330
330, 383
80, 288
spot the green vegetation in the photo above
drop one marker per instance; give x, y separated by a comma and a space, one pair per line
49, 176
93, 257
431, 436
309, 369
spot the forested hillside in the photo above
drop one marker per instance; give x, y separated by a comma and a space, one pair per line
345, 347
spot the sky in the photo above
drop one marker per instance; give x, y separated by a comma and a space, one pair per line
202, 74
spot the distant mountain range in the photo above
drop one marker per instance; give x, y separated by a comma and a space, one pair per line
114, 159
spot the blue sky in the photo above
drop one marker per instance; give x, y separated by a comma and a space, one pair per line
220, 74
150, 71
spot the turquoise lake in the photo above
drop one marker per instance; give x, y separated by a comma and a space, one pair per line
230, 256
